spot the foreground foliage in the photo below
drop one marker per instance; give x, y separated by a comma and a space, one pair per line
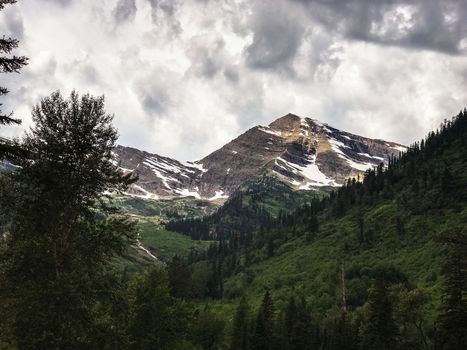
58, 235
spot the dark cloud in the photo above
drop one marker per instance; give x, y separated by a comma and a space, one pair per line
14, 25
153, 104
153, 93
276, 38
90, 74
166, 7
232, 75
427, 24
61, 2
164, 14
125, 11
206, 56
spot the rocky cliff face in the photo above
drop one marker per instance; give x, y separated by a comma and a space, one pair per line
301, 151
159, 177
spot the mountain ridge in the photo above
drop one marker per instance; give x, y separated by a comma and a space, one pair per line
302, 152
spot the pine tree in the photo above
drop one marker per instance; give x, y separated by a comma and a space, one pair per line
156, 320
452, 322
62, 234
342, 335
241, 327
8, 64
263, 335
298, 324
207, 329
180, 278
379, 329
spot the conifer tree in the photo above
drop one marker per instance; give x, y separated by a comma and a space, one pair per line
207, 329
8, 64
62, 233
296, 331
452, 322
241, 327
263, 335
379, 330
156, 320
180, 278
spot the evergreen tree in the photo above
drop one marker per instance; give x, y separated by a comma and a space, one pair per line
379, 329
180, 278
452, 322
263, 334
343, 335
298, 325
241, 327
8, 64
207, 329
62, 234
156, 320
410, 316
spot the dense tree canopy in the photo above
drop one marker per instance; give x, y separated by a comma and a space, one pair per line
60, 234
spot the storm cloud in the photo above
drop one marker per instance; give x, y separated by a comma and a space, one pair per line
185, 77
426, 24
125, 10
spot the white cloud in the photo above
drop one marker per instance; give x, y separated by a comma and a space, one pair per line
185, 77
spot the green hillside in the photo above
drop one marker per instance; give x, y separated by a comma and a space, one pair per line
390, 227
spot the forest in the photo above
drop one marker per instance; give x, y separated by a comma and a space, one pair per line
393, 245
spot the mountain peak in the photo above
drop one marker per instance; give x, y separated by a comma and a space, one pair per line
300, 151
286, 122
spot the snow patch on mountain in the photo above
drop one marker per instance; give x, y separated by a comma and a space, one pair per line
268, 130
218, 195
311, 172
400, 148
304, 126
146, 194
187, 193
337, 147
370, 156
316, 177
156, 170
195, 165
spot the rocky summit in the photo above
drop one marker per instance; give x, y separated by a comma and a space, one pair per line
300, 151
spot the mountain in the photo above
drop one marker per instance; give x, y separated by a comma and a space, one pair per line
402, 230
300, 151
159, 177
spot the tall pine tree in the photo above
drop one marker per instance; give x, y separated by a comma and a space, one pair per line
241, 327
379, 329
264, 331
452, 321
8, 64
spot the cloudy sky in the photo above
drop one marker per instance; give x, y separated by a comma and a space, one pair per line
183, 77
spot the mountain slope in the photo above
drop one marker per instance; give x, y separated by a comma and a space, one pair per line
300, 151
386, 226
159, 177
